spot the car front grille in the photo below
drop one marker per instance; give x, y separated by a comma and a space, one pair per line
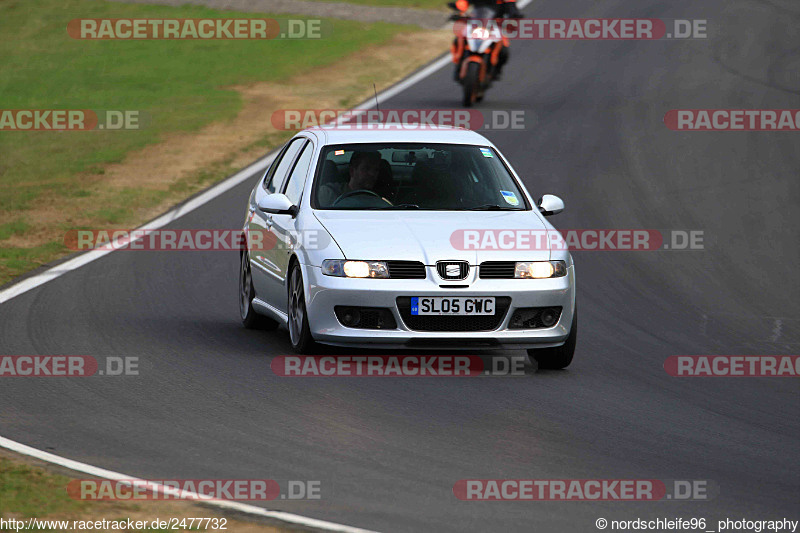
406, 270
497, 270
453, 323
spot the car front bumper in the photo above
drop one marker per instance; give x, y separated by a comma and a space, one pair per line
323, 293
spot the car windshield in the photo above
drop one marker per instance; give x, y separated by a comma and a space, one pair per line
442, 177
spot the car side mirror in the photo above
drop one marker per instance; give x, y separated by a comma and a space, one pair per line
277, 204
550, 204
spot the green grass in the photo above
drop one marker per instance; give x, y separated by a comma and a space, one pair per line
30, 492
15, 227
16, 261
176, 85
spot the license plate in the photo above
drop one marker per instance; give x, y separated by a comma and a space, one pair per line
459, 305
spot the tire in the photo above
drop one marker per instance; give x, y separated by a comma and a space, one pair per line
250, 319
561, 356
299, 331
471, 84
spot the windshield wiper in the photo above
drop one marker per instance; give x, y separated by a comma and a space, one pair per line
398, 206
489, 207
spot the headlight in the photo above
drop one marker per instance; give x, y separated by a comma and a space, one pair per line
355, 269
540, 269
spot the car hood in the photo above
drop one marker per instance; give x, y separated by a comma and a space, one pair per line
429, 236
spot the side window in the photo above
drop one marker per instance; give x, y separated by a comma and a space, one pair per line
276, 180
270, 171
294, 185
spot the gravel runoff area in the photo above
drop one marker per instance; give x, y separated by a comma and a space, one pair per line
424, 18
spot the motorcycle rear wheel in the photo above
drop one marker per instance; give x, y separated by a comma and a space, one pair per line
471, 83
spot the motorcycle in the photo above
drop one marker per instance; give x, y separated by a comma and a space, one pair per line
476, 51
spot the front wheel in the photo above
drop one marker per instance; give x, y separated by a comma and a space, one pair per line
561, 356
471, 83
299, 331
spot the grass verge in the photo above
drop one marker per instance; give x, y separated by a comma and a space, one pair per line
28, 491
208, 106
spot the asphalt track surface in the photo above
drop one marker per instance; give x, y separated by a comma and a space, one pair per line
388, 451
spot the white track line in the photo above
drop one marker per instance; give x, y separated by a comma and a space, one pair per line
86, 258
73, 264
215, 191
202, 199
222, 187
229, 505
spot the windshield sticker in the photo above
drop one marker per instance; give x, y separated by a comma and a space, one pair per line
510, 197
486, 152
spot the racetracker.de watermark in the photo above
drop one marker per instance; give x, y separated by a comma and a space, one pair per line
198, 240
583, 489
733, 366
733, 119
415, 366
192, 489
197, 29
181, 240
577, 239
67, 366
71, 119
582, 29
401, 119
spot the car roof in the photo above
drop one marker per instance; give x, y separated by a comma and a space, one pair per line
389, 132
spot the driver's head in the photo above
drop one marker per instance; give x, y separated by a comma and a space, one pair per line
364, 170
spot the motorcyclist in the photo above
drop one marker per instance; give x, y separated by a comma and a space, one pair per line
502, 8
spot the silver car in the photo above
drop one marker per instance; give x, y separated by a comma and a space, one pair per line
357, 238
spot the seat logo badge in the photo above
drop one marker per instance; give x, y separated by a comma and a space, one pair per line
452, 269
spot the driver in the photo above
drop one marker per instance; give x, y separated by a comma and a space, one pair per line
364, 170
